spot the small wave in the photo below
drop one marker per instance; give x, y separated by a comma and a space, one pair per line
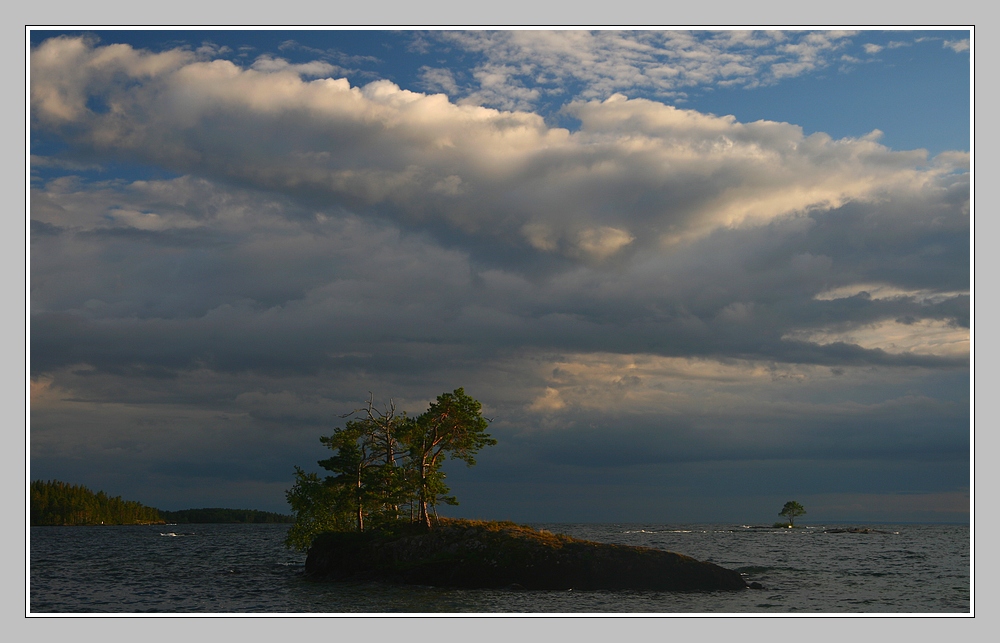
174, 535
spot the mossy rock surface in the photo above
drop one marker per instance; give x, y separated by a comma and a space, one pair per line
472, 554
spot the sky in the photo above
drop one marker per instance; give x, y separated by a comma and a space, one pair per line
689, 275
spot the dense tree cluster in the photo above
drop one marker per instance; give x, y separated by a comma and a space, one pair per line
59, 503
386, 467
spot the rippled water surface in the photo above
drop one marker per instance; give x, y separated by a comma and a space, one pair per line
246, 568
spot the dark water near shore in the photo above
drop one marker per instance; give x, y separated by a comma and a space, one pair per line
246, 568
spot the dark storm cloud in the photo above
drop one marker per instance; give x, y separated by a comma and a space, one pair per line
910, 429
276, 286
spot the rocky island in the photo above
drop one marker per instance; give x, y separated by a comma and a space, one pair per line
496, 555
387, 465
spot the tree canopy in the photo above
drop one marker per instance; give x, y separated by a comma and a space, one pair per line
791, 510
386, 467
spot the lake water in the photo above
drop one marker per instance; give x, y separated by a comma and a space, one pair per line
246, 569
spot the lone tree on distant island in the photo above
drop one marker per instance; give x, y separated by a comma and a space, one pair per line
791, 510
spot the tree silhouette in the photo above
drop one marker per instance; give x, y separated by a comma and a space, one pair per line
384, 463
791, 510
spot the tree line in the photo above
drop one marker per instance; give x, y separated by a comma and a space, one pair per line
386, 467
60, 503
220, 515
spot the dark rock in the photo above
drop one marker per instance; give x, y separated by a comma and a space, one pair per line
856, 530
503, 555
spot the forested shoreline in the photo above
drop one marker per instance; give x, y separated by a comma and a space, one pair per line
220, 515
57, 503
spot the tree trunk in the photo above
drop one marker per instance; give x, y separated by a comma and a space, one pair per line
423, 518
361, 513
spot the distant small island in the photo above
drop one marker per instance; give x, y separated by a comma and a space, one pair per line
56, 503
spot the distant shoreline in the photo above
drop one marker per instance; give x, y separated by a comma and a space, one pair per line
61, 504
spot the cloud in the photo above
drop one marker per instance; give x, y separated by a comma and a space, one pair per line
603, 63
548, 401
73, 65
929, 337
601, 243
193, 258
957, 46
886, 291
270, 64
438, 79
424, 160
63, 164
658, 287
